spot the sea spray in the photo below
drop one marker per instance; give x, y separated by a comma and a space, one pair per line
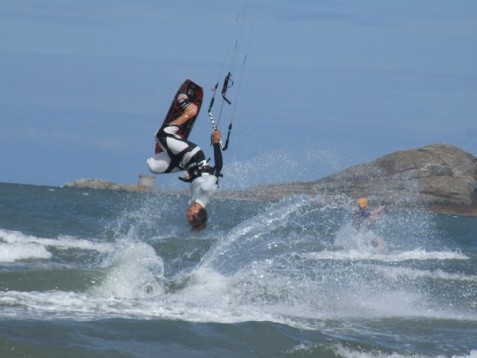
249, 236
133, 270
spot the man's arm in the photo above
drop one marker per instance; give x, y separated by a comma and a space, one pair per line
378, 210
216, 136
189, 112
375, 213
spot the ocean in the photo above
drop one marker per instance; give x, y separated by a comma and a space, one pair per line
87, 273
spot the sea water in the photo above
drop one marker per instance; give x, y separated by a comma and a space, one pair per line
87, 273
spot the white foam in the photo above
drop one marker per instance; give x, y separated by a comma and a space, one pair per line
397, 273
349, 238
15, 252
134, 271
134, 287
358, 255
347, 352
211, 297
14, 246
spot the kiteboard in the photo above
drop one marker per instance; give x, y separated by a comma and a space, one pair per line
195, 94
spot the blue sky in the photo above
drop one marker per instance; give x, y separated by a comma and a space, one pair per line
327, 84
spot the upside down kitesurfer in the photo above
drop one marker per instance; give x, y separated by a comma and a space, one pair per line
179, 154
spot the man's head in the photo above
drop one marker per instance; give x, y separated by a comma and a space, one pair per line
362, 203
197, 217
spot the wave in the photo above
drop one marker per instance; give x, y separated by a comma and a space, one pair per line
359, 255
283, 290
132, 270
208, 296
16, 246
22, 251
397, 273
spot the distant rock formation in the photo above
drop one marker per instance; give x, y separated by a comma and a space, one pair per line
440, 177
98, 184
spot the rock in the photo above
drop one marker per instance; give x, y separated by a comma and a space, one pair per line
98, 184
440, 177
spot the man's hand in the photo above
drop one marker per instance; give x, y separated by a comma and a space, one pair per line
216, 136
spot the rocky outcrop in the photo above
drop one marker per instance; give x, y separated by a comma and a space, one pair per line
440, 177
98, 184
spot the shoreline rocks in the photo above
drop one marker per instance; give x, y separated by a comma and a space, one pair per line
439, 177
99, 184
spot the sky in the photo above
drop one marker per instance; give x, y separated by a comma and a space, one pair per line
318, 85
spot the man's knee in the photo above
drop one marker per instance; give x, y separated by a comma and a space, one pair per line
157, 166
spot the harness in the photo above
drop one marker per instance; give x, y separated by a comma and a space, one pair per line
196, 170
176, 159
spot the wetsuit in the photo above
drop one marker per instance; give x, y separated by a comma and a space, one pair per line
360, 215
178, 154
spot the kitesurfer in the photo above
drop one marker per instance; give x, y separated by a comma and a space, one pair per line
179, 154
363, 212
364, 215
